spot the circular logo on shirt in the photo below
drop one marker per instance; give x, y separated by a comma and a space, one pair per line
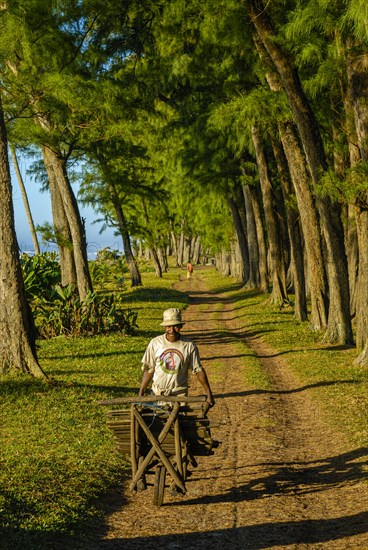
171, 360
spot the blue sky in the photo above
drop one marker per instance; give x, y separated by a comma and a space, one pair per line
41, 211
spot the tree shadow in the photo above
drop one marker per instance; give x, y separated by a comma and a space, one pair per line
248, 393
148, 294
295, 478
85, 534
90, 534
96, 354
252, 537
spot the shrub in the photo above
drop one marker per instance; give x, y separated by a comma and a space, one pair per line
108, 268
66, 314
40, 274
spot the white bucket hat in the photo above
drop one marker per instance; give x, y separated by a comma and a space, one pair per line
172, 317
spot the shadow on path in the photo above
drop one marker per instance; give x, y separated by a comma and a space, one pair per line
296, 478
254, 537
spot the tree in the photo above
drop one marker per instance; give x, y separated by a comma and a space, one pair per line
55, 165
27, 208
17, 337
294, 233
300, 178
278, 275
339, 327
44, 48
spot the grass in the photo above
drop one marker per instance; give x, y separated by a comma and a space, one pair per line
57, 456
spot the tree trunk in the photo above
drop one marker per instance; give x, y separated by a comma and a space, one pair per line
162, 258
196, 251
292, 218
339, 327
56, 165
174, 248
310, 225
351, 236
236, 264
357, 66
156, 262
135, 275
27, 208
17, 338
225, 263
352, 251
243, 246
152, 249
261, 240
278, 275
61, 227
243, 217
181, 246
306, 206
140, 249
362, 289
186, 251
254, 275
192, 245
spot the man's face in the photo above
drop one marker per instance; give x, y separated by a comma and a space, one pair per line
173, 333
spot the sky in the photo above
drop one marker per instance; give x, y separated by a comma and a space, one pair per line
41, 212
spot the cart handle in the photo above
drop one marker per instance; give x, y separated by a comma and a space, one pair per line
155, 399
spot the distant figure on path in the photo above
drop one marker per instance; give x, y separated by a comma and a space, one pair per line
190, 270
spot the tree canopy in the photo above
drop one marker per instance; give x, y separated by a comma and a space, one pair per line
239, 126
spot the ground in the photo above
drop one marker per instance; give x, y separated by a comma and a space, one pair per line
281, 476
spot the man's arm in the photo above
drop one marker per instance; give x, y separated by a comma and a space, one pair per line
202, 377
146, 379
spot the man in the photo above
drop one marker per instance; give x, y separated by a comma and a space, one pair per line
168, 359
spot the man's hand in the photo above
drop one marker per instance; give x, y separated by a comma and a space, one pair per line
202, 377
210, 400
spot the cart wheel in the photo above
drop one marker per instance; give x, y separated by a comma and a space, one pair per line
159, 486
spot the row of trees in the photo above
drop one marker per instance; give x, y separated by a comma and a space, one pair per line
273, 115
232, 125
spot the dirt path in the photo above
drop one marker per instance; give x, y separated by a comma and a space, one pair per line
279, 479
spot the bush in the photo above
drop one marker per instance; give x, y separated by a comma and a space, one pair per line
146, 266
66, 314
108, 268
40, 274
58, 310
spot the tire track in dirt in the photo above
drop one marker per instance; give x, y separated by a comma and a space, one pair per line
280, 478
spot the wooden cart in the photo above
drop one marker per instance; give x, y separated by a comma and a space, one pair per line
162, 435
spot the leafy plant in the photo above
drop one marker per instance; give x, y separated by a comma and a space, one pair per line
146, 267
67, 315
108, 269
40, 274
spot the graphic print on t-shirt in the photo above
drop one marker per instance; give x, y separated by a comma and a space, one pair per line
171, 360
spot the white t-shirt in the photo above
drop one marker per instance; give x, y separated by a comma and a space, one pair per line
170, 362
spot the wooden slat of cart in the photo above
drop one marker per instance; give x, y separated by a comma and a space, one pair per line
154, 399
